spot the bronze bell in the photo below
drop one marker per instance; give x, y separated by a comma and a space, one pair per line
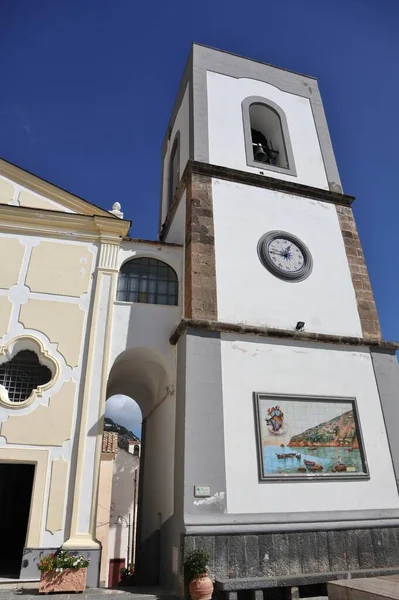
260, 155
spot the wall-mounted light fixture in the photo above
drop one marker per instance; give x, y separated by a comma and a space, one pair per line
119, 521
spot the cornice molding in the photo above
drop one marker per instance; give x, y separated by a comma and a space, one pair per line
32, 221
271, 183
50, 191
298, 336
152, 242
252, 179
111, 228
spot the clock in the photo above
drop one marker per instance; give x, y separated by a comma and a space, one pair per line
285, 256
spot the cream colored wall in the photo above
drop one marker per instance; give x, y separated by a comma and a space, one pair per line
56, 288
35, 201
103, 512
13, 250
126, 467
7, 191
57, 495
46, 425
45, 289
15, 194
60, 322
59, 269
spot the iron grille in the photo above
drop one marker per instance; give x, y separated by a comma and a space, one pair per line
23, 374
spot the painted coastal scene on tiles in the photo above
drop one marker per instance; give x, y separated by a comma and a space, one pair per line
306, 437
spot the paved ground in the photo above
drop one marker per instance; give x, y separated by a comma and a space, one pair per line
102, 594
92, 594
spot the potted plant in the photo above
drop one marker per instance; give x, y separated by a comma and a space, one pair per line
126, 572
196, 572
62, 572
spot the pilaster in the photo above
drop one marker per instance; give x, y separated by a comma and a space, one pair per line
89, 445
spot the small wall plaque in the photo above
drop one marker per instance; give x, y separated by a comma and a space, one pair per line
202, 491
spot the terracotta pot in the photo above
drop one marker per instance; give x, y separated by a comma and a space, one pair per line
201, 588
66, 580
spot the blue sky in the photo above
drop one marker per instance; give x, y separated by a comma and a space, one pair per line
125, 411
87, 87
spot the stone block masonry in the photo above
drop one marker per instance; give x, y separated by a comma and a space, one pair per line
360, 277
298, 555
200, 272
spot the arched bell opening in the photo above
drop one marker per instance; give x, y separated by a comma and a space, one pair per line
267, 136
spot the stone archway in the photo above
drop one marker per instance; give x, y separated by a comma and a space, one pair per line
142, 374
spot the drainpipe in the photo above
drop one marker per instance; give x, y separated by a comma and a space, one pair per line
134, 518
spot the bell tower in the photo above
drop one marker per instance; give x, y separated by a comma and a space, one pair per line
281, 389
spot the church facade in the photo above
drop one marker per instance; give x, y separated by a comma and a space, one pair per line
248, 335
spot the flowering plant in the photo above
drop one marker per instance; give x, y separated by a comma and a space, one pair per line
62, 559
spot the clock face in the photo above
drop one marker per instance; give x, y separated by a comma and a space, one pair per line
285, 255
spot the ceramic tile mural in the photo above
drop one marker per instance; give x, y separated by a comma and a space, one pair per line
303, 437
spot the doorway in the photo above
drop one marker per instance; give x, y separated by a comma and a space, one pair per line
16, 483
142, 374
114, 576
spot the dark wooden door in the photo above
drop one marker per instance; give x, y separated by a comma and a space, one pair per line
115, 566
16, 482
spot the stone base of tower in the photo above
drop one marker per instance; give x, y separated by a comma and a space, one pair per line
259, 562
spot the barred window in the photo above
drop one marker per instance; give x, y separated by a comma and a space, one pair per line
23, 374
148, 281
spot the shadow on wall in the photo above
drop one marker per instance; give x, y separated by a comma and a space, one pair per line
140, 373
152, 324
122, 504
